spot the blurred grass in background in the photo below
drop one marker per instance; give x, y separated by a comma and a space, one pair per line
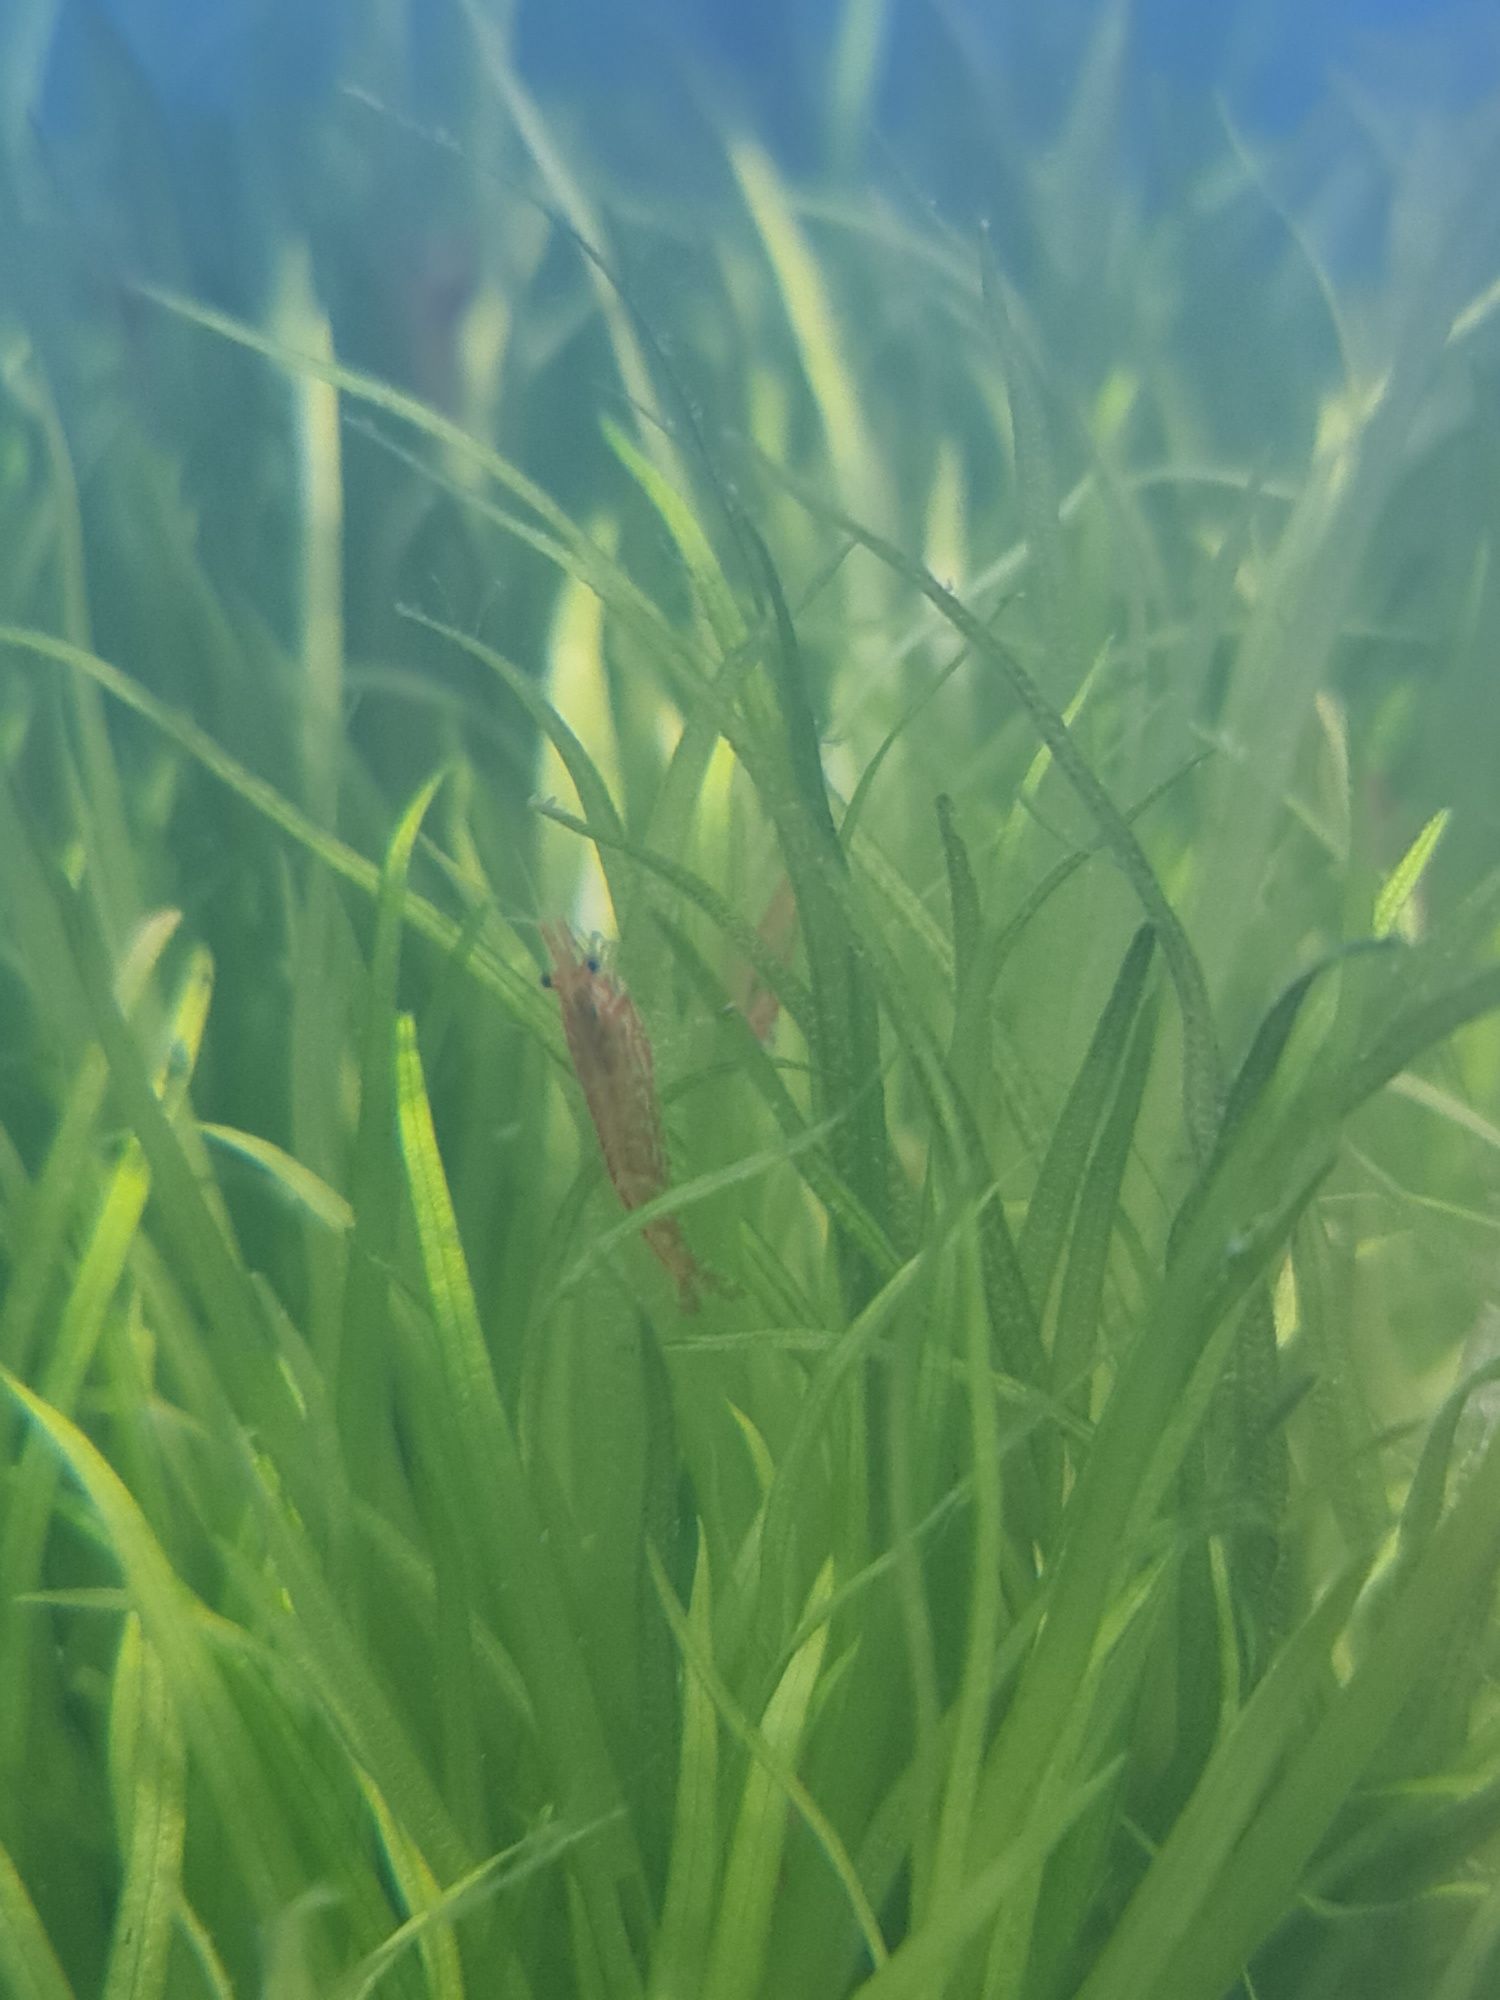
1061, 1558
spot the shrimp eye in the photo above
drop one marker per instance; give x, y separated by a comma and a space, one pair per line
592, 964
547, 981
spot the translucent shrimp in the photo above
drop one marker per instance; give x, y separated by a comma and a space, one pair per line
611, 1054
777, 931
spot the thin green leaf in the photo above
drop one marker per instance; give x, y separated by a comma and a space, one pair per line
1201, 1081
686, 1928
1185, 1869
737, 1955
26, 1955
1250, 1897
517, 991
220, 1740
693, 545
298, 1184
1050, 1208
963, 892
926, 1960
1405, 878
546, 1647
150, 1773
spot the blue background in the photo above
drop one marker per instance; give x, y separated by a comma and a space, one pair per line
1278, 56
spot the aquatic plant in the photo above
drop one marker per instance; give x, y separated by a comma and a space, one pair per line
1024, 706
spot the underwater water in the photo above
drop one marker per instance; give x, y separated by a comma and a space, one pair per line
749, 1000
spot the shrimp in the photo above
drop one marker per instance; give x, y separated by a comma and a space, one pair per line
777, 931
611, 1054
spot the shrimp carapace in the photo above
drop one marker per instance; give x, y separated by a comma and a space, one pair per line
612, 1060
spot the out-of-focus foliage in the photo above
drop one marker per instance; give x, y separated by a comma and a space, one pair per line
975, 569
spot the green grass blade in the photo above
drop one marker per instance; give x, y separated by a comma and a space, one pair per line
1201, 1080
558, 537
1055, 1194
737, 1955
219, 1740
81, 1318
976, 1691
1081, 1296
809, 1157
1405, 878
1345, 1462
593, 793
1416, 1029
298, 1185
934, 1954
686, 1928
835, 1371
359, 1370
811, 315
860, 797
963, 895
1183, 1873
334, 1666
149, 1770
1470, 1970
1036, 480
576, 215
516, 991
545, 1644
1253, 1078
430, 1929
214, 1978
1428, 1489
26, 1956
1250, 1897
709, 583
846, 1042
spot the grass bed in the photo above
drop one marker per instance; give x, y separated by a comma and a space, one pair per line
1042, 814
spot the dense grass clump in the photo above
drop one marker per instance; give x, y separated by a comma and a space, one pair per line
922, 1422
